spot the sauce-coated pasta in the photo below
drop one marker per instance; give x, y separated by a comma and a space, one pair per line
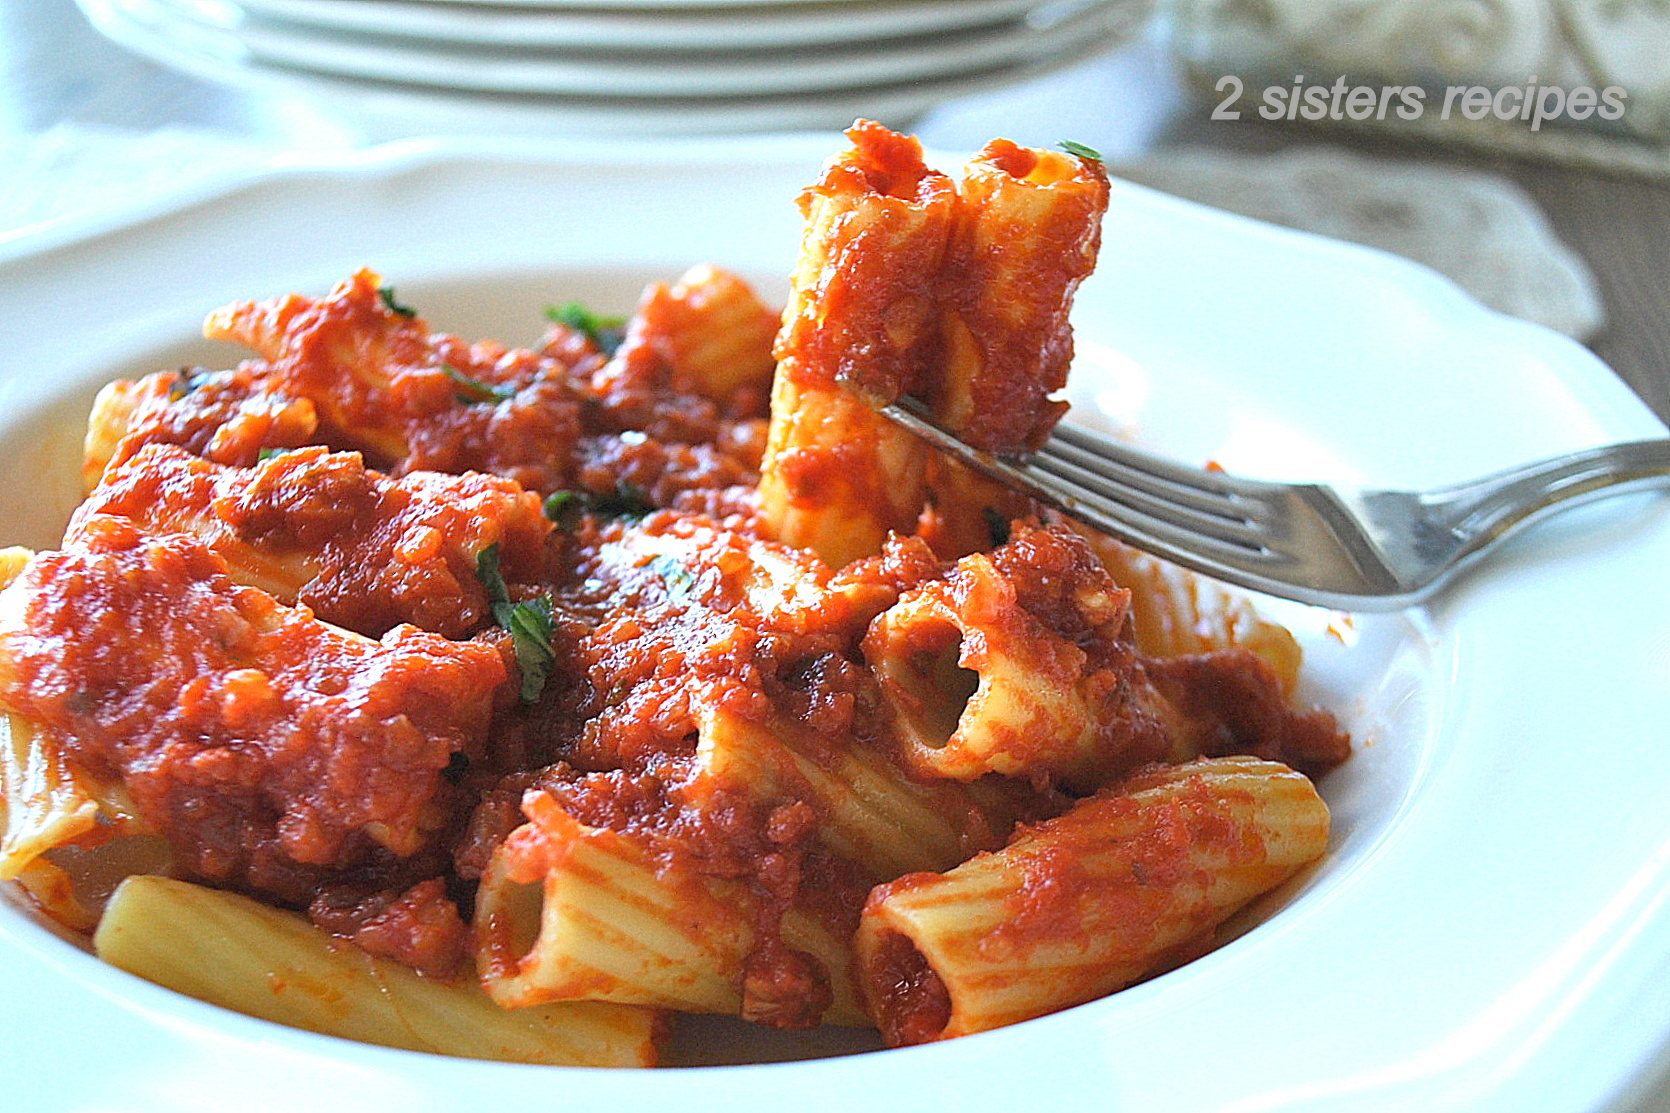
645, 669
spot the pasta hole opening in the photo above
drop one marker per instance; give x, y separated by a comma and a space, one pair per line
913, 1005
517, 920
936, 687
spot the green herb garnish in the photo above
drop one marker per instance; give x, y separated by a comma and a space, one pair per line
530, 622
470, 390
268, 453
392, 304
680, 580
565, 507
627, 500
605, 332
487, 571
186, 380
1080, 150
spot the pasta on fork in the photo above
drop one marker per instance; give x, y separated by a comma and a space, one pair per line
509, 702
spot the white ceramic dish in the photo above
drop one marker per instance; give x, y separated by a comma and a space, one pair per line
673, 5
614, 74
379, 111
1491, 927
657, 29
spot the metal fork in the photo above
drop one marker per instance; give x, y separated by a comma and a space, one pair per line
1351, 548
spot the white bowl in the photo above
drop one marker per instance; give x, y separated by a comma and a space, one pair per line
1490, 927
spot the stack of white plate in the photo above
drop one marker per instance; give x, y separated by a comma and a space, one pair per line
650, 67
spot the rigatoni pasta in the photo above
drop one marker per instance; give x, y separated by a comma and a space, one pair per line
837, 477
524, 694
1013, 663
1086, 903
571, 912
272, 964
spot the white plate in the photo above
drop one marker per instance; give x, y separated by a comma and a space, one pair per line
594, 74
384, 111
659, 29
1491, 929
693, 5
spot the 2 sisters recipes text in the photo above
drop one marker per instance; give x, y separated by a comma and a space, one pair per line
499, 702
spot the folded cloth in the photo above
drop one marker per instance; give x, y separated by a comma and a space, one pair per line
1580, 81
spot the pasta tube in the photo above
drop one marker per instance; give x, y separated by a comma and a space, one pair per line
1014, 664
47, 802
837, 477
240, 954
569, 912
230, 417
1028, 231
211, 700
113, 409
1184, 613
1079, 906
712, 331
343, 353
867, 812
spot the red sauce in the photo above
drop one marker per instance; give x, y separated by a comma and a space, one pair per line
269, 749
371, 780
364, 551
419, 927
1010, 281
913, 1005
875, 323
414, 400
1236, 701
224, 416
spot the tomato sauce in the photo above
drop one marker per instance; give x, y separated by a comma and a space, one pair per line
356, 736
272, 751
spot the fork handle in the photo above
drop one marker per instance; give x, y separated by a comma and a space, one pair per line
1484, 511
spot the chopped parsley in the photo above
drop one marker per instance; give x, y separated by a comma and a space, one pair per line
680, 580
565, 507
392, 304
1080, 150
492, 579
268, 453
605, 332
186, 380
470, 390
627, 500
530, 622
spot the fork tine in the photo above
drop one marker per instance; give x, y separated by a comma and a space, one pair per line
1212, 488
1132, 479
1326, 545
1120, 493
1146, 522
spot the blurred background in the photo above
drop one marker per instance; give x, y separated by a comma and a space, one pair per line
1477, 136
